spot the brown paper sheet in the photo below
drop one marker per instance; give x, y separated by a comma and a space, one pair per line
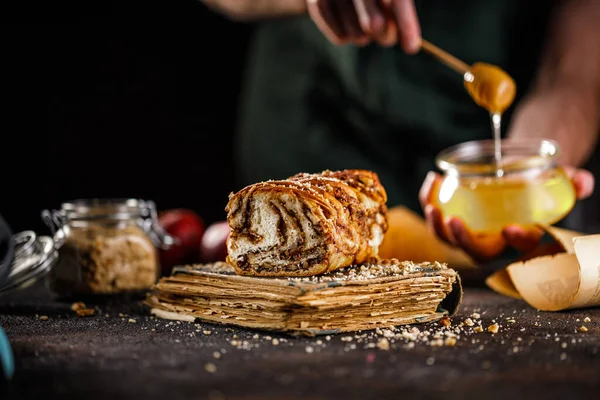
558, 276
408, 238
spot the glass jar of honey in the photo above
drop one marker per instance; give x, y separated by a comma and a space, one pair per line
526, 187
105, 247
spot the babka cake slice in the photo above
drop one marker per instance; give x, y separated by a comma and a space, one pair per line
307, 224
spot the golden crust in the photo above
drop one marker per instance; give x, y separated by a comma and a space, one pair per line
308, 224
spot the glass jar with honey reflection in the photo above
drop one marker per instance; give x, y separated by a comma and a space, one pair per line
526, 188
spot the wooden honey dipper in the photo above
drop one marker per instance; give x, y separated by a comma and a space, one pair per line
489, 86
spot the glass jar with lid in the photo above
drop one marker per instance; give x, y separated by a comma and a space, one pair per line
106, 246
526, 188
98, 247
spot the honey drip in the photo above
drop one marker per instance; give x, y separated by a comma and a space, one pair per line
496, 128
493, 89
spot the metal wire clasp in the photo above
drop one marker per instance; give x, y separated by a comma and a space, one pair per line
149, 222
58, 226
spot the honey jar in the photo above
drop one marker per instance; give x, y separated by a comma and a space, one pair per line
531, 190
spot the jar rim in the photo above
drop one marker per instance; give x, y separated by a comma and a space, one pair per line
469, 157
104, 208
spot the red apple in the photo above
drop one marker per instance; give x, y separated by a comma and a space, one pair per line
187, 226
213, 246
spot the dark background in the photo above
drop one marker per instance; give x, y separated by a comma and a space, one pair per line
127, 99
118, 99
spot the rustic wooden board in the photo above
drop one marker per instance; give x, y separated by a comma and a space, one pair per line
100, 357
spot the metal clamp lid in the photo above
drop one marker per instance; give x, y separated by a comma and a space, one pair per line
33, 259
149, 222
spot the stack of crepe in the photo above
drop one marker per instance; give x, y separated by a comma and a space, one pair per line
303, 259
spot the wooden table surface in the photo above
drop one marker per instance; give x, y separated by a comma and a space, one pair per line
133, 355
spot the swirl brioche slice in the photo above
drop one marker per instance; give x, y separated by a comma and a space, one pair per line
307, 224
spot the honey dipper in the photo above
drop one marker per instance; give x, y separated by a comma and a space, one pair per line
489, 86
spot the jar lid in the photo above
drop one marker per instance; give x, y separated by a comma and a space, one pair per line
113, 209
477, 158
105, 209
34, 256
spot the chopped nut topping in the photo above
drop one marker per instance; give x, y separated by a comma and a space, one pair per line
388, 333
478, 329
382, 269
78, 306
493, 328
85, 312
383, 344
44, 318
583, 329
587, 319
450, 341
469, 322
445, 321
210, 368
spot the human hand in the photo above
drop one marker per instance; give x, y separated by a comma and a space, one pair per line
360, 22
485, 247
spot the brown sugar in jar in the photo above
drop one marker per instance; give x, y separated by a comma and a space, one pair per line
109, 247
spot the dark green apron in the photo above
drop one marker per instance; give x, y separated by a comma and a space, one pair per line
309, 105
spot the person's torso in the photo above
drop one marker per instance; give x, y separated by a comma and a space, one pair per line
310, 105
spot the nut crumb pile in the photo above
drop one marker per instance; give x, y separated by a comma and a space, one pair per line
82, 310
391, 267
